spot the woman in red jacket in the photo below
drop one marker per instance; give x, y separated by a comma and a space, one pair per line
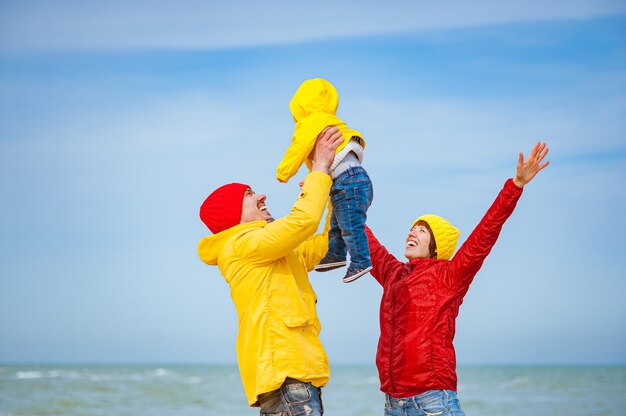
415, 359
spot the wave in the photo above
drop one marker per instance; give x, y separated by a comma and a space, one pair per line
144, 375
25, 375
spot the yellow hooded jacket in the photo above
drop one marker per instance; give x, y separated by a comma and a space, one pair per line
266, 265
313, 108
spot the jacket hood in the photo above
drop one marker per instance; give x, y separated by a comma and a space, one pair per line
314, 96
210, 247
313, 107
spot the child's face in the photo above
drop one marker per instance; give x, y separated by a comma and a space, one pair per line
417, 243
253, 207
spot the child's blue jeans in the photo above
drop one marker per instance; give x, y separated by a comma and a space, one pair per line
351, 195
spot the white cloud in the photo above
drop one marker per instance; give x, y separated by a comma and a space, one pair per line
71, 25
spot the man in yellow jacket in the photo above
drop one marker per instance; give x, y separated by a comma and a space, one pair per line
282, 362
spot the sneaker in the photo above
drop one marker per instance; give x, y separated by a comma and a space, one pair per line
327, 264
354, 273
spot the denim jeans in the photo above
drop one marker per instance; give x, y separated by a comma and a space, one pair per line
351, 195
430, 403
293, 398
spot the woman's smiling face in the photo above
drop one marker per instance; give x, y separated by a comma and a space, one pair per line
417, 243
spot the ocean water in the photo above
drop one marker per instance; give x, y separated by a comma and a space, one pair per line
104, 390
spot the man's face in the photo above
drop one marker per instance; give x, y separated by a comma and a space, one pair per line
417, 243
253, 208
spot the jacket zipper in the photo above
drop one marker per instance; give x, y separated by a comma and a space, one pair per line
393, 334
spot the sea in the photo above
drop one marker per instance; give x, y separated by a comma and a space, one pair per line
212, 390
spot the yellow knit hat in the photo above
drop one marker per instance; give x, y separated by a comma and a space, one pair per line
446, 235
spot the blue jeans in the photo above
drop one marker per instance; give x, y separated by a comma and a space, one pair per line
293, 398
430, 403
351, 195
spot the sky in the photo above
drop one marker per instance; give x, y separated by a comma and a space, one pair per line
118, 118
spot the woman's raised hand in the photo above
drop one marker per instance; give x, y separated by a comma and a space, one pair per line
527, 169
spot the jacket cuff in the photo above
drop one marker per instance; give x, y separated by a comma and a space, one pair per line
320, 176
510, 186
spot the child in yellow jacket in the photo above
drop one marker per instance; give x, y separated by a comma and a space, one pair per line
313, 107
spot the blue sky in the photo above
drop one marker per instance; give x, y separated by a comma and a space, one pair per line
116, 121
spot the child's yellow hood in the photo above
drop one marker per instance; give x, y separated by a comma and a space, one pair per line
313, 108
314, 96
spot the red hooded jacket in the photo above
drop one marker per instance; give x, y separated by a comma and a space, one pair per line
421, 301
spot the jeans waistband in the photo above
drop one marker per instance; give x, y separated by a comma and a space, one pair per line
351, 171
349, 161
290, 380
393, 402
417, 399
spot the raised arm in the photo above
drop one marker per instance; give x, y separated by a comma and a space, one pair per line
315, 247
470, 257
384, 264
302, 144
294, 157
282, 236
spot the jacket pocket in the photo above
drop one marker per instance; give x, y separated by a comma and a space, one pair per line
297, 321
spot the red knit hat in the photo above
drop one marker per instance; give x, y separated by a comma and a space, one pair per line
222, 209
